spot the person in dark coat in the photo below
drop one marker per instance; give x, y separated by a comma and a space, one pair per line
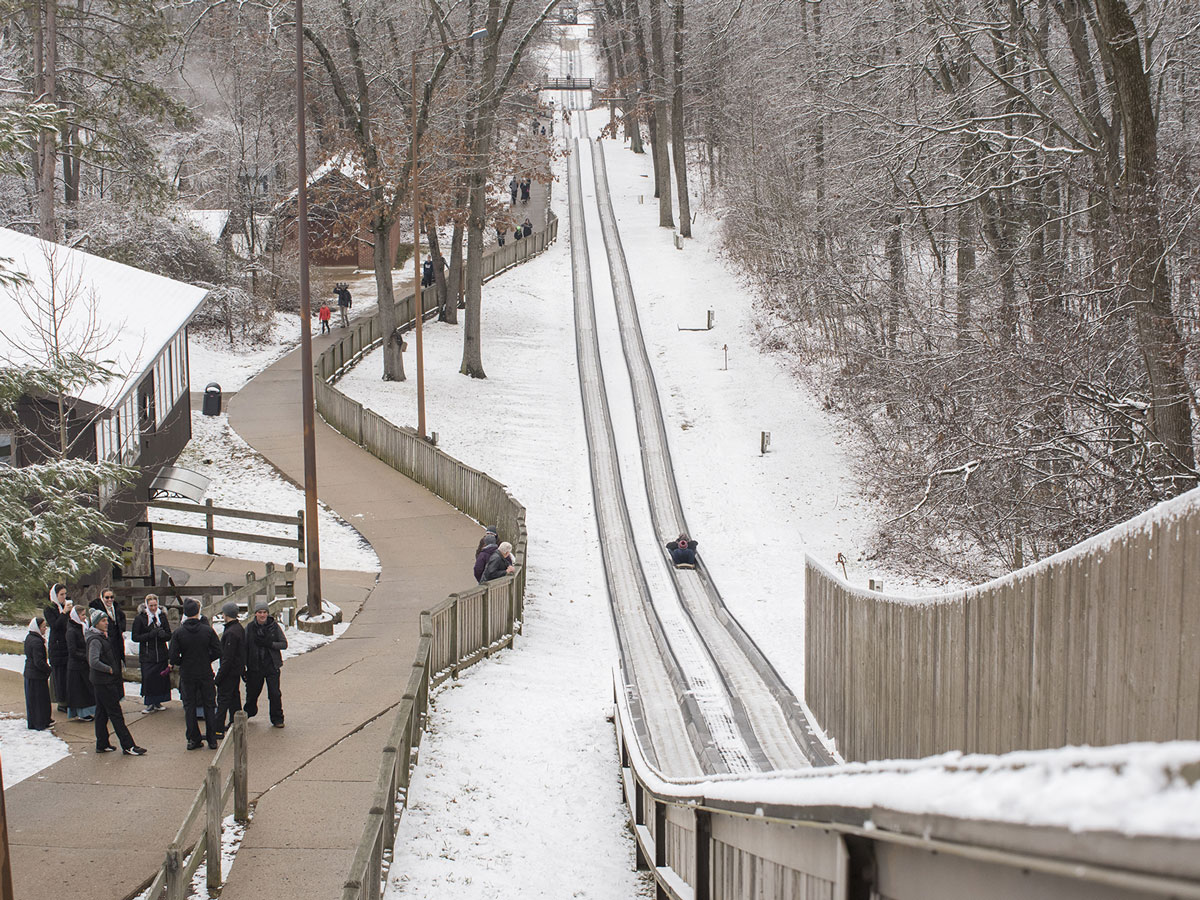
683, 552
105, 674
264, 641
526, 227
37, 677
525, 185
193, 648
81, 699
56, 615
151, 632
116, 622
513, 187
233, 664
487, 546
499, 237
499, 564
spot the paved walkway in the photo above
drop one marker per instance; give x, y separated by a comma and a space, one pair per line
311, 782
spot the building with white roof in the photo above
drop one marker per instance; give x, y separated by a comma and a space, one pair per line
132, 322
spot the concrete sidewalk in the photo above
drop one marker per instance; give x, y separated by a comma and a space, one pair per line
97, 826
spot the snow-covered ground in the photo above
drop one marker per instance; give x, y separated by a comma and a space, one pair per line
242, 479
211, 358
27, 752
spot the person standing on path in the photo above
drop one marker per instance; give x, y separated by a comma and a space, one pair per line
264, 641
513, 187
107, 602
106, 679
499, 564
81, 699
233, 664
37, 677
56, 615
487, 546
525, 185
194, 646
323, 314
151, 631
343, 294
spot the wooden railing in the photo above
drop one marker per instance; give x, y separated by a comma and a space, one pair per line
469, 625
186, 852
277, 585
1097, 645
211, 533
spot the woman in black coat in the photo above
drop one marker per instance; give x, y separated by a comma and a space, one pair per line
151, 631
56, 614
37, 677
81, 698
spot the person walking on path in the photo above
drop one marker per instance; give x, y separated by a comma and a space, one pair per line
500, 563
323, 314
81, 699
37, 677
106, 679
513, 187
56, 615
107, 602
264, 641
151, 632
499, 236
525, 185
194, 646
233, 664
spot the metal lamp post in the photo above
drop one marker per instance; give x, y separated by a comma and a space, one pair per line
418, 289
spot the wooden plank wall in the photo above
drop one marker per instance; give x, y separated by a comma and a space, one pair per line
1098, 645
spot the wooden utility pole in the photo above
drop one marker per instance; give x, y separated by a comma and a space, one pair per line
313, 550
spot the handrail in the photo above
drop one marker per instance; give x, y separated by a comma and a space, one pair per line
702, 841
469, 625
183, 858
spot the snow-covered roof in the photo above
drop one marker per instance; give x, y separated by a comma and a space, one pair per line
211, 221
126, 315
346, 164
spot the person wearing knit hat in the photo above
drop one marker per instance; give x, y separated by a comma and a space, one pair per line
264, 660
193, 648
233, 663
487, 546
106, 681
683, 552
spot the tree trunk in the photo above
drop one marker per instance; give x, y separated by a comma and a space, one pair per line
47, 138
393, 358
663, 168
1146, 285
678, 141
454, 286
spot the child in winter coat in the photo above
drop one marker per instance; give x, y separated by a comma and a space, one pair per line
323, 314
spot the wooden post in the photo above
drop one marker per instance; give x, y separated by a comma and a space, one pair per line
270, 580
290, 579
212, 827
454, 637
173, 867
208, 526
241, 769
702, 889
300, 535
487, 622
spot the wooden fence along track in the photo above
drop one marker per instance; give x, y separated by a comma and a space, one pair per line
211, 533
1097, 645
469, 625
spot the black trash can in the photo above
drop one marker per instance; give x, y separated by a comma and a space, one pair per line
212, 399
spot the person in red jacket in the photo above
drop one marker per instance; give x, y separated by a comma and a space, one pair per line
323, 314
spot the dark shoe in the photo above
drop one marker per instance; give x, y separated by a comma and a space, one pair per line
277, 724
194, 745
109, 749
219, 735
135, 750
61, 708
212, 745
86, 718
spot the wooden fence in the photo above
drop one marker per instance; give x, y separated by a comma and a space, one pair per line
277, 585
1097, 645
467, 626
211, 533
186, 852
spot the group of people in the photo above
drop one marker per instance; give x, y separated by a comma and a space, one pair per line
81, 652
493, 557
524, 230
341, 290
521, 187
